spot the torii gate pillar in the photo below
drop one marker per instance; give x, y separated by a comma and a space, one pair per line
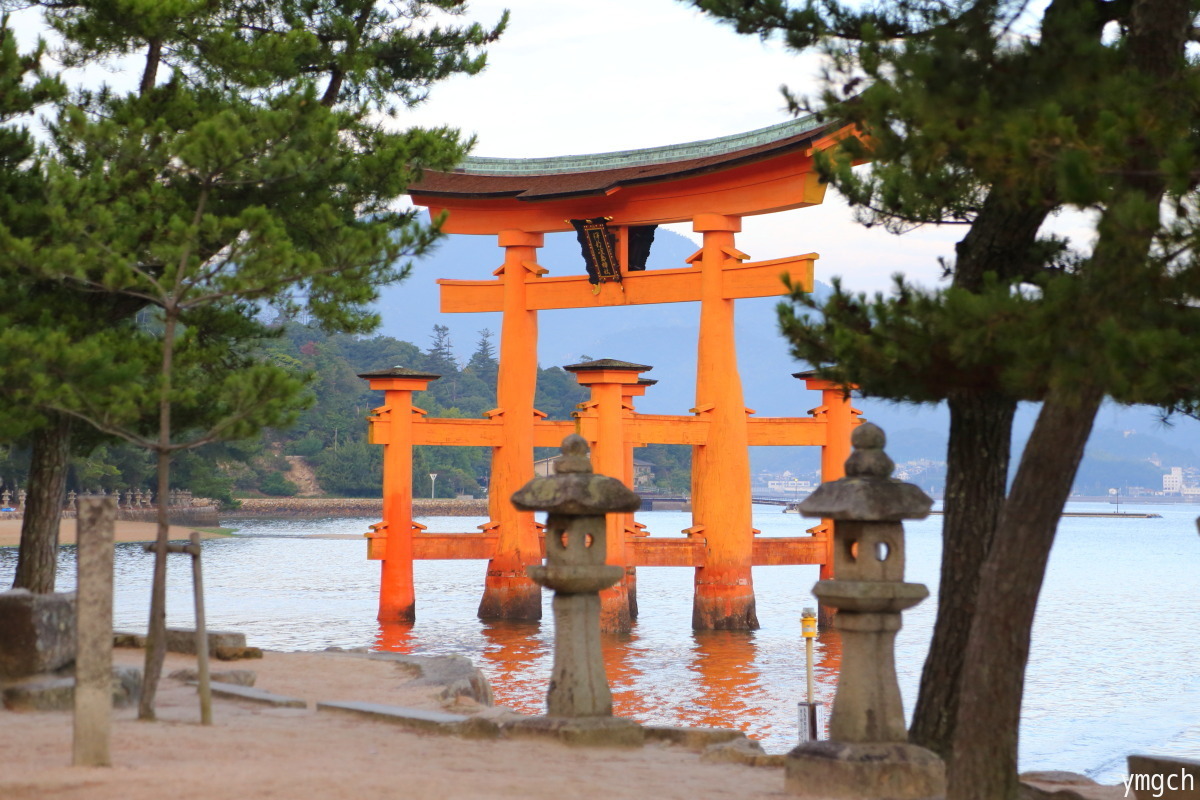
721, 503
611, 383
840, 418
508, 592
392, 426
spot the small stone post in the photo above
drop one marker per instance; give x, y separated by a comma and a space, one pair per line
867, 755
94, 632
579, 701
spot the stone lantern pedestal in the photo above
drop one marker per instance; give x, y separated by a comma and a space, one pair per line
867, 755
579, 702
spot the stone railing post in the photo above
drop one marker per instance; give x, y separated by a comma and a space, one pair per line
867, 755
577, 501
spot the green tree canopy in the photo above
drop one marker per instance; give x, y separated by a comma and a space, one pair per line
250, 168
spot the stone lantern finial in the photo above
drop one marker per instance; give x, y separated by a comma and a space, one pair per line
868, 459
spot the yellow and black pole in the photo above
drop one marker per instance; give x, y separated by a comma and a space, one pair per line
809, 731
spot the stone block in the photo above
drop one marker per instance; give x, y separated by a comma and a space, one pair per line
57, 692
456, 676
1165, 778
741, 751
1059, 785
127, 686
126, 639
182, 640
37, 632
235, 653
844, 771
692, 738
40, 694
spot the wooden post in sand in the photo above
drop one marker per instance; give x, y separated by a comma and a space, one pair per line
94, 632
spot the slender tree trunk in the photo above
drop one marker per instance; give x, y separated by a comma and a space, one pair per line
37, 559
984, 761
156, 634
976, 477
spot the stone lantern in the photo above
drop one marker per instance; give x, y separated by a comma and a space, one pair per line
579, 702
867, 755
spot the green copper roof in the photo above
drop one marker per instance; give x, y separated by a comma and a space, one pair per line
623, 159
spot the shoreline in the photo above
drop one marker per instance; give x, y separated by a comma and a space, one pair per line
124, 531
318, 507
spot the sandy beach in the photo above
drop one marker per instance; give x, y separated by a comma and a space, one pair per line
256, 751
125, 531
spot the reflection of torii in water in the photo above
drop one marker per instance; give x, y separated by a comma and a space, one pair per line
617, 198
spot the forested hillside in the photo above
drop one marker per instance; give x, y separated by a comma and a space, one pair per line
330, 437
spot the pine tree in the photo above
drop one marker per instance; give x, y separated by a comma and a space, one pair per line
23, 87
483, 361
248, 169
984, 114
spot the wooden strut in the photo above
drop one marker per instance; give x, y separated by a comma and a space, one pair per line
204, 685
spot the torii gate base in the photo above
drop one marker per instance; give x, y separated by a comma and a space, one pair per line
713, 184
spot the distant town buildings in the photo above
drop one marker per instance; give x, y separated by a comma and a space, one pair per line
1183, 482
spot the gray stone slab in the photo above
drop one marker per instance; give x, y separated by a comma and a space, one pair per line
238, 677
255, 695
741, 751
412, 718
57, 692
456, 676
37, 632
40, 694
580, 731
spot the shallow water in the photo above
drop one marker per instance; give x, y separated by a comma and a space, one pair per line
1113, 667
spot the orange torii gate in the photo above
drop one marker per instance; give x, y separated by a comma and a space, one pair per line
713, 184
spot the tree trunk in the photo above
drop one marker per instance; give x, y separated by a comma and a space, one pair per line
156, 629
37, 559
976, 477
156, 632
984, 761
977, 460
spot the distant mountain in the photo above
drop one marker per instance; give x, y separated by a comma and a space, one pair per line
664, 336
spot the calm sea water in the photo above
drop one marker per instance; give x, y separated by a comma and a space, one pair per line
1115, 666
